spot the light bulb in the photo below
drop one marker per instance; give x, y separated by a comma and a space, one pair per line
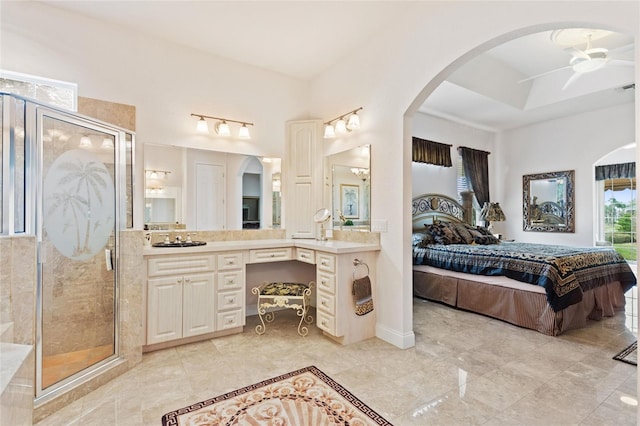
354, 122
243, 133
223, 129
202, 126
329, 132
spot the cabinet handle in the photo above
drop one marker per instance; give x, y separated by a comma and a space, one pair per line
231, 301
324, 302
229, 321
186, 280
324, 282
324, 323
231, 282
273, 255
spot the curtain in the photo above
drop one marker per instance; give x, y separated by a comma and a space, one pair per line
430, 152
476, 170
616, 171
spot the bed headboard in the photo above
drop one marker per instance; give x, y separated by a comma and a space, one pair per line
428, 208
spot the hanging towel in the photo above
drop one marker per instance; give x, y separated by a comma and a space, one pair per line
362, 293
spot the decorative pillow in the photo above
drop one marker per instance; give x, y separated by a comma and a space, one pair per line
444, 233
463, 232
426, 240
486, 240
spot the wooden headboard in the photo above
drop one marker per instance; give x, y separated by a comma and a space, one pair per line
428, 208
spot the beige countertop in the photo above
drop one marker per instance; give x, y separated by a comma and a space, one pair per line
329, 246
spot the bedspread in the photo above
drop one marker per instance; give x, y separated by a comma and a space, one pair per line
564, 272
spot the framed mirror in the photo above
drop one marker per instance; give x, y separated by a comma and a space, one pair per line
548, 202
349, 180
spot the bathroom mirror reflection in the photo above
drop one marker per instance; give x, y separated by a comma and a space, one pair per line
209, 190
349, 178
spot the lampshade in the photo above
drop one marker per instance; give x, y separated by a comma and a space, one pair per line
492, 212
222, 129
243, 133
85, 142
354, 121
329, 132
202, 126
341, 127
107, 143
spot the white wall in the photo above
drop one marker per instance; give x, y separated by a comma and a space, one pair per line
571, 143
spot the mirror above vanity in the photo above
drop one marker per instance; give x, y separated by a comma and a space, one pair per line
210, 190
348, 187
548, 202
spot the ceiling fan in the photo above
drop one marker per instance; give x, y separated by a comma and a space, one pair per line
588, 60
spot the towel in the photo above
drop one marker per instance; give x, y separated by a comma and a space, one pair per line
362, 293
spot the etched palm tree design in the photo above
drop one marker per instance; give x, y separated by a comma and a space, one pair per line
89, 178
68, 201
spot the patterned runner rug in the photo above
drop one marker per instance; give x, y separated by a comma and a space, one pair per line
303, 397
629, 354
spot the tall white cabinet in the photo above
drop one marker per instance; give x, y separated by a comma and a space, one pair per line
303, 178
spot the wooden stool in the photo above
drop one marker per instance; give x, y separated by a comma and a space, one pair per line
284, 295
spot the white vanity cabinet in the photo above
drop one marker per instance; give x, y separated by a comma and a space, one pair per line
230, 291
180, 297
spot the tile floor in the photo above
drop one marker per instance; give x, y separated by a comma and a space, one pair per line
465, 369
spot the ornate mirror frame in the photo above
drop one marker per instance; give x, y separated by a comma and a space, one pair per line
531, 219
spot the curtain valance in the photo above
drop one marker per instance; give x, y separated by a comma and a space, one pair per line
616, 171
430, 152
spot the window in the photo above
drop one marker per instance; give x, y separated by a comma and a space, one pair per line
618, 224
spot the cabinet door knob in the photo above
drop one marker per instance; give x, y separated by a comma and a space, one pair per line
324, 323
324, 302
232, 300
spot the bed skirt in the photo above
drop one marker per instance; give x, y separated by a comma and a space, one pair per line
518, 303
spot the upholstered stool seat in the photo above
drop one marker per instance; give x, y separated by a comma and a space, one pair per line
283, 295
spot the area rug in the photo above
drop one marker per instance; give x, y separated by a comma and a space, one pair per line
629, 354
304, 397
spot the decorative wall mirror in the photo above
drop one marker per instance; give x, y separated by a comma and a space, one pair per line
548, 202
349, 179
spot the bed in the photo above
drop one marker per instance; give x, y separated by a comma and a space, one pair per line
547, 288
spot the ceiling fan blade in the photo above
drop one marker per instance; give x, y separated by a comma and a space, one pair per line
572, 79
620, 49
577, 53
542, 74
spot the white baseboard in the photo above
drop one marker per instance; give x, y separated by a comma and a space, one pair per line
396, 338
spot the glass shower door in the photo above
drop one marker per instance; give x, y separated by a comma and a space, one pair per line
77, 222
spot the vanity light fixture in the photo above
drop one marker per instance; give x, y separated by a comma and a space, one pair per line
157, 174
222, 126
342, 127
360, 172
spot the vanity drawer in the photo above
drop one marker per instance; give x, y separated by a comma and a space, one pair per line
326, 302
326, 322
230, 280
326, 262
270, 255
229, 261
305, 255
230, 319
229, 300
326, 283
178, 265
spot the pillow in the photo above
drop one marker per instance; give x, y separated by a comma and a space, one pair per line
428, 239
418, 237
444, 233
486, 240
463, 232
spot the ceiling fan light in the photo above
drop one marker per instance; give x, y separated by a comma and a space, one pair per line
222, 129
588, 65
329, 132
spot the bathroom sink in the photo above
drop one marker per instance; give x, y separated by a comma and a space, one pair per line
181, 244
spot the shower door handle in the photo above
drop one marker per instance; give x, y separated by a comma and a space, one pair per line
108, 260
